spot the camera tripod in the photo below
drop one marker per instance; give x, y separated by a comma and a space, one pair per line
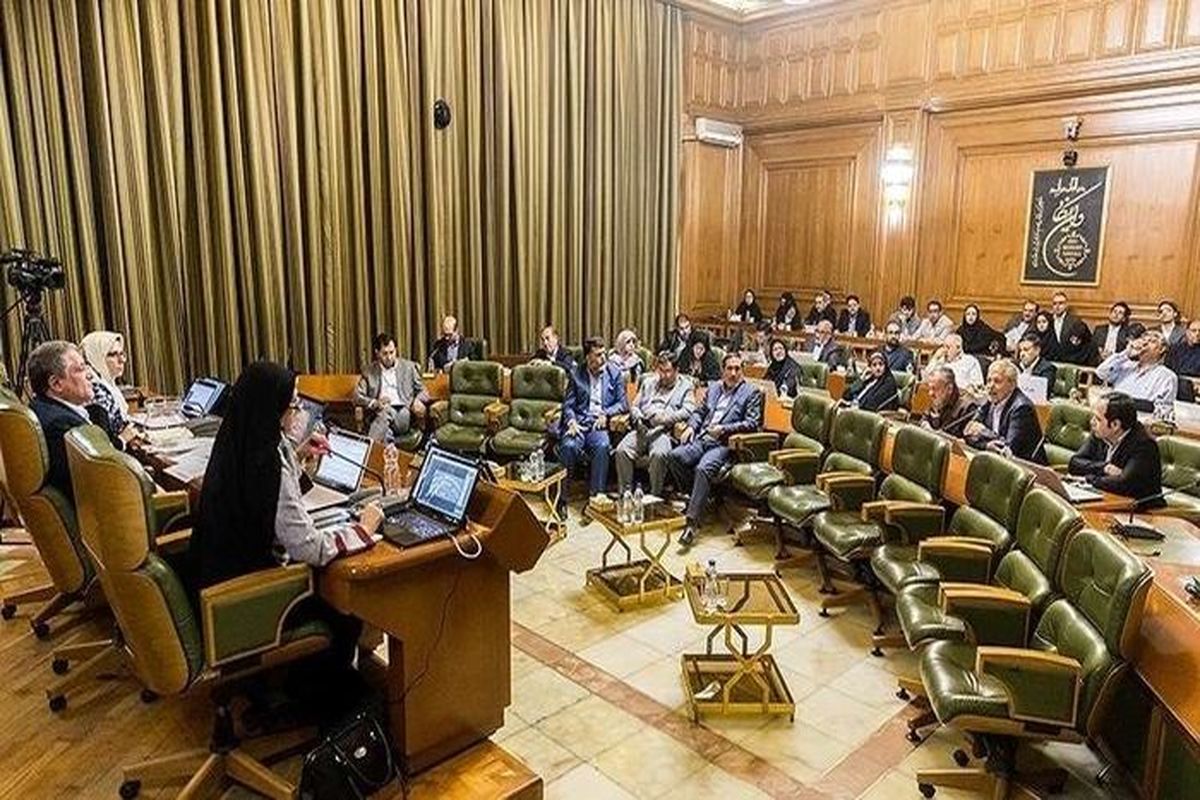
34, 331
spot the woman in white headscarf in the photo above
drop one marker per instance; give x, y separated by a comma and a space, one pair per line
104, 352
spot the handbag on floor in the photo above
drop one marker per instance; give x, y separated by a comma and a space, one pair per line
351, 763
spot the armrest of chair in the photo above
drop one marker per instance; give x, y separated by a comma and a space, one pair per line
847, 490
957, 558
916, 521
245, 615
170, 509
900, 415
439, 412
496, 415
618, 423
800, 466
1042, 687
753, 446
995, 615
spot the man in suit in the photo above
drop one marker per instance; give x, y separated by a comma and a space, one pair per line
1019, 324
663, 400
899, 357
1184, 356
451, 347
596, 393
1029, 357
949, 410
1120, 456
61, 385
1070, 340
553, 351
1113, 336
854, 320
676, 340
823, 347
731, 406
390, 392
822, 309
1007, 422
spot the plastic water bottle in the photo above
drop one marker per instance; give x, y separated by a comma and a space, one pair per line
391, 469
625, 508
537, 466
639, 511
710, 590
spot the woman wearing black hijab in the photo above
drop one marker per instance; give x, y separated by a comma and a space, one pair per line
782, 370
251, 515
978, 337
748, 310
1043, 326
787, 313
698, 360
876, 390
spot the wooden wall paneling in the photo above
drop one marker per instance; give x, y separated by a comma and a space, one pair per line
897, 231
810, 211
1189, 29
710, 218
712, 64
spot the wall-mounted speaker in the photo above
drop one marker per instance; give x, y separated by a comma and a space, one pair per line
441, 114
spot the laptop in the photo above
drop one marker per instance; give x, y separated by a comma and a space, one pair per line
1073, 493
202, 397
314, 411
438, 503
337, 477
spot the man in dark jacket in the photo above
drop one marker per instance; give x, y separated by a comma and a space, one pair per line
1113, 336
595, 395
1120, 456
1007, 422
1029, 355
553, 351
1069, 340
451, 347
854, 319
59, 380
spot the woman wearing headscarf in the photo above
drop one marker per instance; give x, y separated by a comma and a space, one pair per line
626, 357
787, 313
876, 390
1043, 326
104, 352
978, 337
748, 310
782, 370
698, 360
251, 515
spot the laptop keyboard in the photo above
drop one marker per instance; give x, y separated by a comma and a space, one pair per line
419, 525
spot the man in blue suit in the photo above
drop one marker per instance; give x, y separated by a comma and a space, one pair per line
62, 390
596, 394
730, 406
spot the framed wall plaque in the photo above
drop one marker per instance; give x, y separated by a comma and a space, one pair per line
1064, 232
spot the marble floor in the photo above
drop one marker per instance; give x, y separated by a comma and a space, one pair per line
599, 708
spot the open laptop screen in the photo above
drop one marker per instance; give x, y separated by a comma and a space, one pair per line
445, 485
202, 395
340, 473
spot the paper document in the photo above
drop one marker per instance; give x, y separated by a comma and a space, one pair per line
193, 463
1037, 389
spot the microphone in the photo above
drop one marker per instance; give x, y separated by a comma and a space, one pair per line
946, 428
1131, 530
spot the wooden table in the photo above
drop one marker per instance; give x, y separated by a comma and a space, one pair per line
632, 583
750, 680
549, 487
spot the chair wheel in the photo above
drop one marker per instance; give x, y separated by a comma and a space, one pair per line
130, 789
926, 789
58, 703
902, 694
8, 610
913, 736
60, 666
877, 652
824, 612
40, 629
149, 696
961, 758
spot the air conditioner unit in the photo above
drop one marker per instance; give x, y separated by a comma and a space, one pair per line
722, 134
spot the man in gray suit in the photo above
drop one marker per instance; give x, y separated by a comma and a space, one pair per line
663, 400
390, 392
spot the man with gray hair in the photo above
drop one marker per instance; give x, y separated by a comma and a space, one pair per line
58, 379
1139, 372
949, 410
1007, 422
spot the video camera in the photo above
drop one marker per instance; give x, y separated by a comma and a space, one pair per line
31, 273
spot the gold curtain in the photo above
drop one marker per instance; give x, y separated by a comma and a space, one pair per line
227, 180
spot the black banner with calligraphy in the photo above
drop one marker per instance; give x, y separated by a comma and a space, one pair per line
1065, 233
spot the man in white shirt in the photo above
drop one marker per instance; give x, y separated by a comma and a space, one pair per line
968, 374
1139, 372
1019, 325
936, 326
61, 385
390, 392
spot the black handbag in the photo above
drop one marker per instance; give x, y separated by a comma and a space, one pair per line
351, 763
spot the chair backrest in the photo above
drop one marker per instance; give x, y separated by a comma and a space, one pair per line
995, 489
1066, 378
856, 441
483, 347
812, 375
919, 460
1044, 524
536, 390
906, 382
1068, 425
1180, 463
647, 358
474, 385
812, 415
576, 353
1096, 621
156, 618
48, 514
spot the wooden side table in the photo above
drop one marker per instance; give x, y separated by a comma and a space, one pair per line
750, 680
549, 487
632, 583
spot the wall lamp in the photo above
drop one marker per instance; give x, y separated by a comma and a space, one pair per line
898, 172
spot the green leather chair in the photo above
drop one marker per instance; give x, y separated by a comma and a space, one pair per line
812, 421
1057, 687
461, 421
1066, 430
1003, 612
1181, 469
239, 629
904, 509
977, 536
1066, 379
576, 353
906, 382
855, 444
812, 375
524, 425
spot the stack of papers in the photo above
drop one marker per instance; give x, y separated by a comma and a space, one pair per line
193, 462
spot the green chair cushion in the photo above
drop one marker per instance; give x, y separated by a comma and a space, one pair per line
1066, 378
1065, 630
898, 487
1057, 456
545, 382
968, 521
409, 441
1017, 571
844, 535
754, 479
1045, 522
1180, 465
897, 567
922, 619
306, 630
841, 462
812, 416
798, 441
183, 616
1101, 579
953, 688
920, 457
476, 378
467, 409
795, 504
858, 434
996, 486
813, 375
1067, 428
463, 438
514, 442
530, 415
